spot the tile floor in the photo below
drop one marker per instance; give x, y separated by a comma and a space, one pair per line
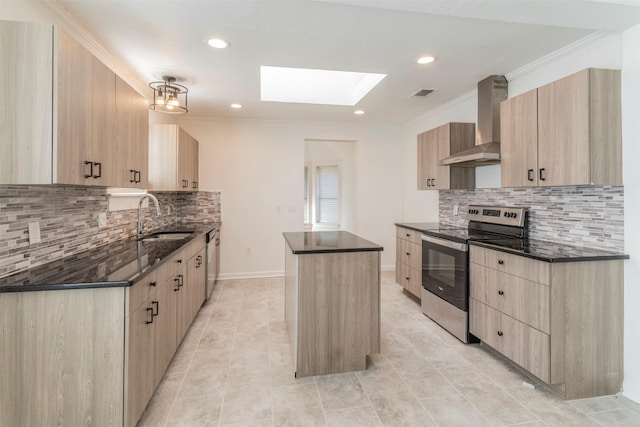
234, 369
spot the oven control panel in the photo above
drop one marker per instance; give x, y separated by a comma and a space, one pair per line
498, 215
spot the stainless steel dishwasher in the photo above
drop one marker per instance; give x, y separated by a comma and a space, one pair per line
213, 259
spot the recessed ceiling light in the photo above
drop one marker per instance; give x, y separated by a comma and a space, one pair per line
426, 60
218, 43
236, 106
358, 112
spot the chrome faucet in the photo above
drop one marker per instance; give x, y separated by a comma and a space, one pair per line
140, 220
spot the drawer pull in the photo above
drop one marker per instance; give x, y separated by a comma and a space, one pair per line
407, 278
408, 235
500, 333
153, 284
408, 253
500, 261
500, 292
151, 310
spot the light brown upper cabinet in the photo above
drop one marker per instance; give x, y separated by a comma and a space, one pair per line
173, 159
132, 118
59, 115
568, 132
441, 142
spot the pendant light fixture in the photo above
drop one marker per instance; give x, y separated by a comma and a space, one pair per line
169, 96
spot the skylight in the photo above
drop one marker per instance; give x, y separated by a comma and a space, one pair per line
308, 86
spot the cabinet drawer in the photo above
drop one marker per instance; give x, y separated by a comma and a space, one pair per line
408, 234
526, 301
531, 269
526, 346
409, 253
409, 278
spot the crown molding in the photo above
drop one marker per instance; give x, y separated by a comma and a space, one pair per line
88, 40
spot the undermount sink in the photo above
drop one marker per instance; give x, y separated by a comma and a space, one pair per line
168, 235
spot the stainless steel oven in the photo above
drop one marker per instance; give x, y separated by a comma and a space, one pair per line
445, 270
445, 263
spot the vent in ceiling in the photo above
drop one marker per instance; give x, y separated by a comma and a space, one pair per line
423, 92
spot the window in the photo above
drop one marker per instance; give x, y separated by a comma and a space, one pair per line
327, 198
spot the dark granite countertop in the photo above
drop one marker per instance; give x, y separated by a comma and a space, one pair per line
419, 226
309, 242
543, 250
117, 264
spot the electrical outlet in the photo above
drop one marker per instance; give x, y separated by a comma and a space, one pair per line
34, 232
455, 209
247, 251
102, 220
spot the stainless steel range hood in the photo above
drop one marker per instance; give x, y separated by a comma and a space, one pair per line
491, 91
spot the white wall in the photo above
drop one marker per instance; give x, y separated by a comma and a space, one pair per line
258, 167
631, 176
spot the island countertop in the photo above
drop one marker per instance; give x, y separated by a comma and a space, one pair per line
309, 242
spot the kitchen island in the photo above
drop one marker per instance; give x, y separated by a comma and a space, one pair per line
332, 301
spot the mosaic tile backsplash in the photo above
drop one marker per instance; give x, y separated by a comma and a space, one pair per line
68, 217
591, 216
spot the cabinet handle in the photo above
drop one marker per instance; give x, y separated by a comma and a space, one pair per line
177, 279
185, 183
429, 182
500, 333
199, 261
90, 174
157, 304
132, 175
500, 261
138, 176
408, 254
530, 175
408, 235
500, 292
543, 174
179, 261
433, 182
181, 278
151, 310
407, 278
195, 184
153, 284
99, 165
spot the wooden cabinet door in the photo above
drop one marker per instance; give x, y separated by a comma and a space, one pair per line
563, 131
424, 168
163, 338
104, 148
519, 140
139, 384
74, 93
184, 160
26, 84
132, 126
86, 153
440, 148
195, 153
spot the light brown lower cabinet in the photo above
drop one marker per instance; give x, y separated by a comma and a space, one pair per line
561, 322
93, 356
409, 260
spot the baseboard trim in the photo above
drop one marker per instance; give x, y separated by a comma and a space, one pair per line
251, 275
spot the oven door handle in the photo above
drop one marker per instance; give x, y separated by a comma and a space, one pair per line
446, 243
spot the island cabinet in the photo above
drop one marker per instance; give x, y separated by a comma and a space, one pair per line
436, 144
173, 161
75, 136
409, 260
567, 132
332, 301
560, 321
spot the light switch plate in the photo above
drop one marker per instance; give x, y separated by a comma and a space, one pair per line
34, 232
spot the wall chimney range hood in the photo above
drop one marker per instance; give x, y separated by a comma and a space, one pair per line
491, 91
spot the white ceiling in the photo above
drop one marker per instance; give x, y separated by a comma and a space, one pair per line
471, 39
